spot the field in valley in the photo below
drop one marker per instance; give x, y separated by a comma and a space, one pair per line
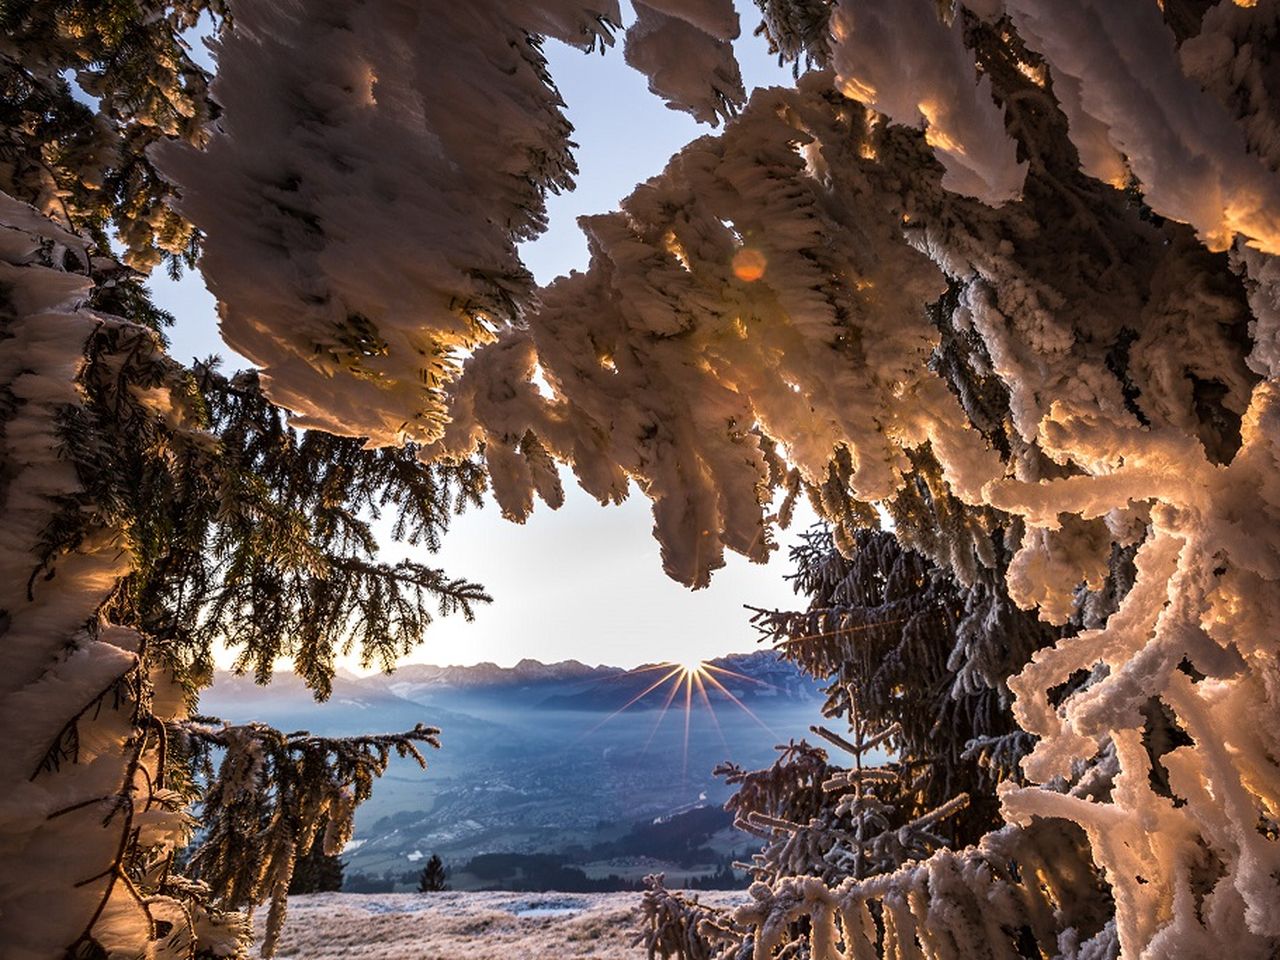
468, 926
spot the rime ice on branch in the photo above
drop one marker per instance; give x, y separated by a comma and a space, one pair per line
1081, 370
359, 113
82, 775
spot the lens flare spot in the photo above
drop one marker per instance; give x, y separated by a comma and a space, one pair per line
749, 264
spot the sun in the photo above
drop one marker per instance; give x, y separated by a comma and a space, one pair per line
690, 666
686, 680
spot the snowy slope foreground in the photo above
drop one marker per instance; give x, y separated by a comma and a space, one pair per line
467, 926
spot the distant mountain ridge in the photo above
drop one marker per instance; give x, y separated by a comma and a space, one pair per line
751, 677
573, 685
489, 674
564, 685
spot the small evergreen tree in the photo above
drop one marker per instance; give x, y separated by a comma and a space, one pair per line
433, 877
674, 924
317, 872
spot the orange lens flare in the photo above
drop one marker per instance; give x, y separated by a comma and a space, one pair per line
749, 264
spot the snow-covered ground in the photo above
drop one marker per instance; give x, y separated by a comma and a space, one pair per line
467, 926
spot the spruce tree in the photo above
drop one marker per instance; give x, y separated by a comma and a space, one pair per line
906, 648
153, 511
1004, 270
82, 159
433, 877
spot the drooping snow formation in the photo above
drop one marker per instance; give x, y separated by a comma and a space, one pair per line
1178, 141
685, 51
926, 75
346, 114
1005, 287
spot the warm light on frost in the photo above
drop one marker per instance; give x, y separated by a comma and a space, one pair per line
1124, 89
855, 89
1036, 73
673, 246
933, 135
868, 149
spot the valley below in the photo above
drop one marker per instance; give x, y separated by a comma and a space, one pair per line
550, 777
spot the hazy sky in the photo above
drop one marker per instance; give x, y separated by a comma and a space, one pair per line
583, 582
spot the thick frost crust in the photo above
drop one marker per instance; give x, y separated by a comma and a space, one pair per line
665, 364
685, 51
79, 775
1129, 96
387, 156
755, 318
925, 77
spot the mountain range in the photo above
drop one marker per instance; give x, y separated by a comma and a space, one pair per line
572, 685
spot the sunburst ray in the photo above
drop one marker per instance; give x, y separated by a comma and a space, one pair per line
675, 669
688, 710
686, 678
739, 676
741, 706
671, 695
702, 692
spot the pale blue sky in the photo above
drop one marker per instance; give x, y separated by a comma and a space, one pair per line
585, 581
